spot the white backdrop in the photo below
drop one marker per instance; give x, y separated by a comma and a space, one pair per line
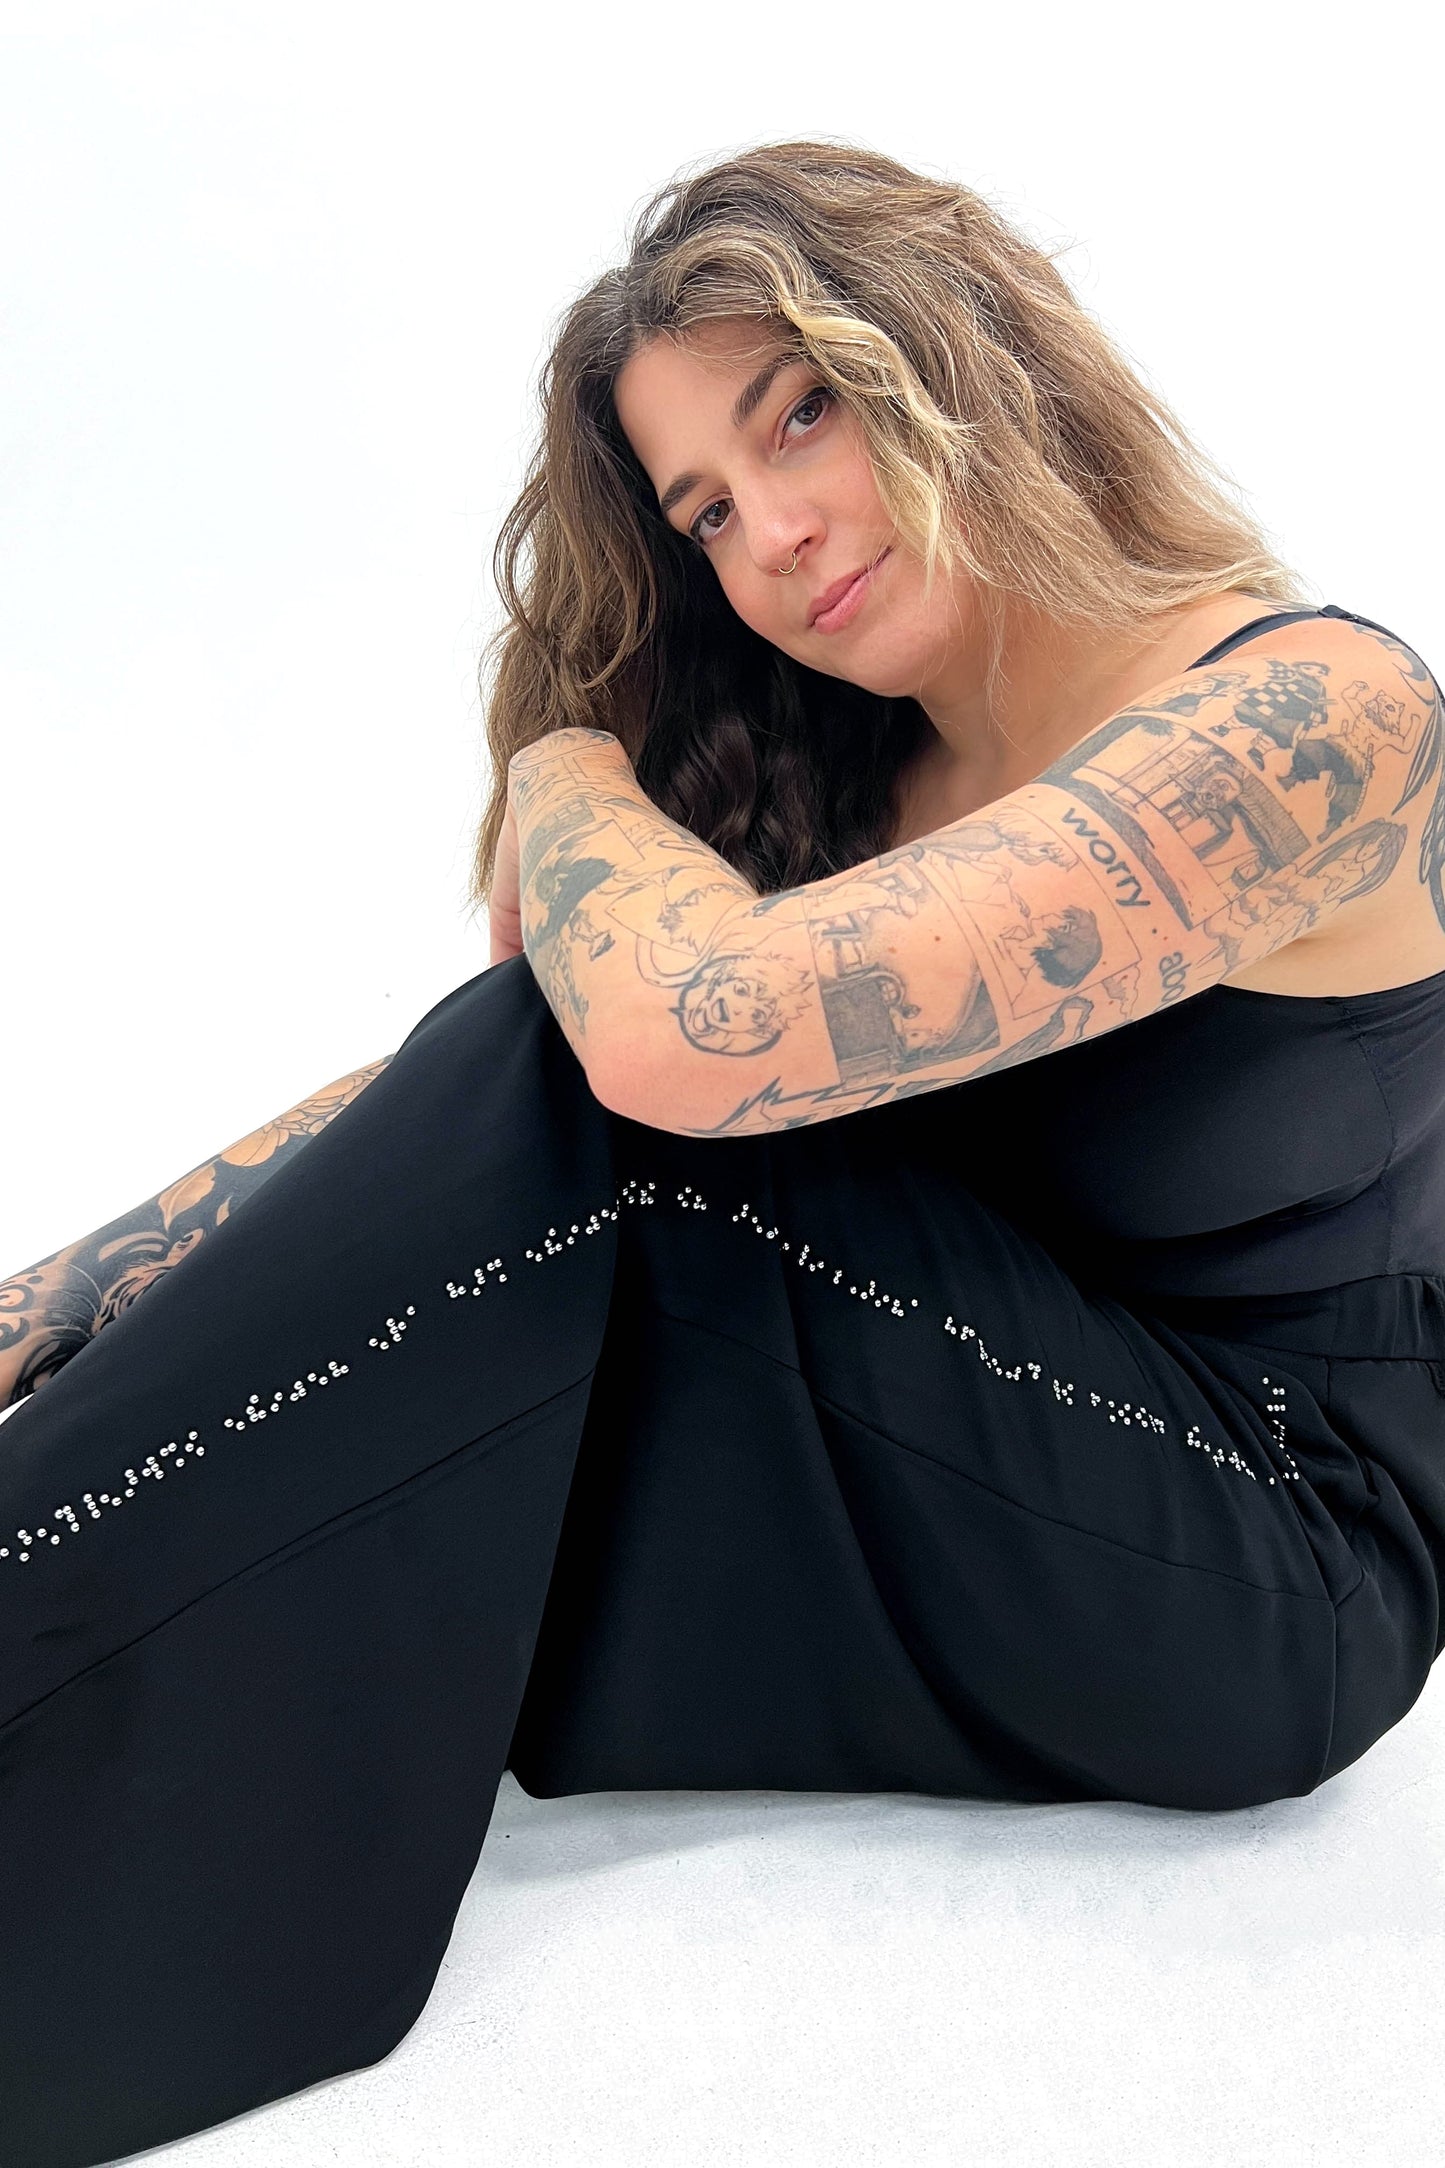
276, 281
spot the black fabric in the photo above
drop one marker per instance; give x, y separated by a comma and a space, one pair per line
515, 1434
1239, 1144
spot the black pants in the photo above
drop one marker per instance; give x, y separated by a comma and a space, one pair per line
515, 1434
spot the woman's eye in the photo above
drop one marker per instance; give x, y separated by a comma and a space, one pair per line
819, 392
698, 523
700, 530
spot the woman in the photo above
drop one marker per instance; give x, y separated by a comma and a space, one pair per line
919, 1267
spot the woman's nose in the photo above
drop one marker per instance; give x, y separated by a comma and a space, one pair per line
775, 535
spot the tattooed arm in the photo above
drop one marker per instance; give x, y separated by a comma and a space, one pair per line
1194, 833
620, 905
48, 1313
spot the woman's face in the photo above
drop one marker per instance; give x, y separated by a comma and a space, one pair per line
755, 466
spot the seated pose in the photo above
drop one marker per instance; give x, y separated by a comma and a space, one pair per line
918, 1267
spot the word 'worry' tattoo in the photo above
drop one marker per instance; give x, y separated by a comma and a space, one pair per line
1160, 844
49, 1312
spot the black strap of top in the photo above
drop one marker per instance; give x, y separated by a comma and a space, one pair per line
1284, 617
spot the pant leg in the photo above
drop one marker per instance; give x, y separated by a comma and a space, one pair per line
797, 1467
273, 1550
873, 1497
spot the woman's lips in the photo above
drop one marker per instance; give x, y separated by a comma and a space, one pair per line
846, 608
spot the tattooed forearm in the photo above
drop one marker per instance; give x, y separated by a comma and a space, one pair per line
1157, 856
616, 898
1188, 835
49, 1312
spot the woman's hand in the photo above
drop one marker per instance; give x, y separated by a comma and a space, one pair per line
504, 905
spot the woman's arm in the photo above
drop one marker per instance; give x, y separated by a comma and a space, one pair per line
616, 901
49, 1312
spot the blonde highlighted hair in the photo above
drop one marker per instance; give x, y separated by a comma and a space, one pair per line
1008, 436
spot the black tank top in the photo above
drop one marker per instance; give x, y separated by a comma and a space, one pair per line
1239, 1156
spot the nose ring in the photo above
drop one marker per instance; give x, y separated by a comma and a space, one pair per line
785, 569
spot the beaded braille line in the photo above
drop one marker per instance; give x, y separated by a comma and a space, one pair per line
1125, 1411
1274, 1409
485, 1278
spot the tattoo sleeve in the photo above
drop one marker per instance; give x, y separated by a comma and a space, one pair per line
49, 1312
620, 905
1191, 834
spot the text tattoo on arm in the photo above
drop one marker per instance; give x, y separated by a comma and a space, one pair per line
1170, 818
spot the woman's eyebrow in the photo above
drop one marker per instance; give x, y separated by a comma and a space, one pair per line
748, 400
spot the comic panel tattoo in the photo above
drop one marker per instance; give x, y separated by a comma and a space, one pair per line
1184, 838
1187, 836
613, 894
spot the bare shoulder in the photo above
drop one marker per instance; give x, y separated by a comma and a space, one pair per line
1358, 712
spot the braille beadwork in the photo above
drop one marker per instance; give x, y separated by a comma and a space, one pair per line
255, 1412
640, 1192
395, 1327
553, 1242
1063, 1390
1275, 1412
869, 1294
480, 1277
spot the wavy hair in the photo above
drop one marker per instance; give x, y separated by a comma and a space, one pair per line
1008, 437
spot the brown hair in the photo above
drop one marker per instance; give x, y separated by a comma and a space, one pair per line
1007, 435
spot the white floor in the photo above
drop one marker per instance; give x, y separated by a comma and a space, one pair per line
760, 1979
763, 1979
